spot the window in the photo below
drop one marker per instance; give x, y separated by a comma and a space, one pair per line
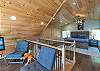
65, 34
96, 34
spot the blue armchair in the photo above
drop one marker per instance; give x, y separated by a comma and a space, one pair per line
44, 62
21, 48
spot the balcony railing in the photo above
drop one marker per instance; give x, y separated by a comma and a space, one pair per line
62, 54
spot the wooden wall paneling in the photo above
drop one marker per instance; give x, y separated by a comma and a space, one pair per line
9, 49
30, 14
53, 33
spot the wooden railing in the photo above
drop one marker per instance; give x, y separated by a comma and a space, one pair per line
60, 43
66, 46
60, 53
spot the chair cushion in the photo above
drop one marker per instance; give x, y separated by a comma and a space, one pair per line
35, 66
14, 55
46, 57
22, 45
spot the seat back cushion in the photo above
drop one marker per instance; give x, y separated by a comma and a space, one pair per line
22, 46
34, 66
46, 57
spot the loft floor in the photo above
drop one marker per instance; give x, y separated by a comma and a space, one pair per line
86, 63
83, 63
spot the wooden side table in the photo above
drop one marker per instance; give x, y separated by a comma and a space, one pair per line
1, 54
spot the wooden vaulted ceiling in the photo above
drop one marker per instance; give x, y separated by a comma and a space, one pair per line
90, 9
30, 14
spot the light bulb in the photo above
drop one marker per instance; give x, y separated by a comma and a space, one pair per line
74, 3
42, 23
13, 17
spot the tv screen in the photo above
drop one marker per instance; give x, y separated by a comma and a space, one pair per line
2, 47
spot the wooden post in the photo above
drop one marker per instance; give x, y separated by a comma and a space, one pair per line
74, 51
63, 57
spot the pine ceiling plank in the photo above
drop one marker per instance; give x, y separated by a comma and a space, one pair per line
84, 6
88, 5
72, 5
79, 2
50, 5
97, 2
13, 11
22, 4
17, 24
46, 11
58, 2
69, 8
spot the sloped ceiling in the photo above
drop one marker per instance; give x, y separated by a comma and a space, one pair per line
30, 14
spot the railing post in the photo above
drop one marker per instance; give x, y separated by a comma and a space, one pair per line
63, 57
74, 52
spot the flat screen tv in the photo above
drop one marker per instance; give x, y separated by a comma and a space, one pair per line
2, 46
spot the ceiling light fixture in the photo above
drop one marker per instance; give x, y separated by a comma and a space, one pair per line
42, 23
66, 23
74, 3
13, 17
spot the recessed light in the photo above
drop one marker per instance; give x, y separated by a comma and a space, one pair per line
74, 3
13, 17
42, 23
66, 23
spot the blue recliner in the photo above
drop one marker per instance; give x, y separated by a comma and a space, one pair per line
44, 62
21, 48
